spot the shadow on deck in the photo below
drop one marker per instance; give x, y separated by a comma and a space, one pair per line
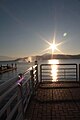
55, 101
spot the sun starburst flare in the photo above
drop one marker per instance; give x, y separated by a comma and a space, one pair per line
53, 46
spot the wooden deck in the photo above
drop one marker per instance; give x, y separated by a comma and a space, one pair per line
55, 101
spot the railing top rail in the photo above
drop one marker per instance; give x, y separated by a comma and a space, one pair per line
7, 92
28, 70
10, 82
59, 64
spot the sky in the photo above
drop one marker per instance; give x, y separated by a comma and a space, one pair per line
25, 25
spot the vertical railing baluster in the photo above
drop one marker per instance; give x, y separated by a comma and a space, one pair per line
79, 72
40, 73
76, 73
64, 73
20, 97
32, 80
36, 68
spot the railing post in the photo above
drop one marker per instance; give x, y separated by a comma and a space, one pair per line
40, 73
64, 73
35, 62
20, 98
36, 68
79, 72
76, 73
32, 80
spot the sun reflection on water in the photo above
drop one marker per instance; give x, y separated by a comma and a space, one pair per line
54, 69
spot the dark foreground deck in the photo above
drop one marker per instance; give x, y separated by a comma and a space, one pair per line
55, 101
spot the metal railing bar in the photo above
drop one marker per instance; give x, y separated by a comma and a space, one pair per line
25, 82
5, 85
13, 111
7, 104
7, 92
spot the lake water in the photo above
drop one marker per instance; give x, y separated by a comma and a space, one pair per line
63, 61
23, 66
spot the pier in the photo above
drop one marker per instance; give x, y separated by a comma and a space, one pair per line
7, 68
36, 95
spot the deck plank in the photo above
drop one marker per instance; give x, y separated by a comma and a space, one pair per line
55, 102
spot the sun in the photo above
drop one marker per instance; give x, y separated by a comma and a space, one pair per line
53, 46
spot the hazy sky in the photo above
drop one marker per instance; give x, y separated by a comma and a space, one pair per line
24, 24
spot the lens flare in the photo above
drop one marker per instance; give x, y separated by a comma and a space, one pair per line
65, 34
53, 46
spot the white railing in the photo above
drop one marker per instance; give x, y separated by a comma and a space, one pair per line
14, 97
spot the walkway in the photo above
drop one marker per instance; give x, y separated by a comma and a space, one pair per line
55, 101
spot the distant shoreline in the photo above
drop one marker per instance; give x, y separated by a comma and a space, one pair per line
58, 56
45, 57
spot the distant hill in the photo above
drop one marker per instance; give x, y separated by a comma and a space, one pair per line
60, 56
6, 58
48, 56
41, 57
